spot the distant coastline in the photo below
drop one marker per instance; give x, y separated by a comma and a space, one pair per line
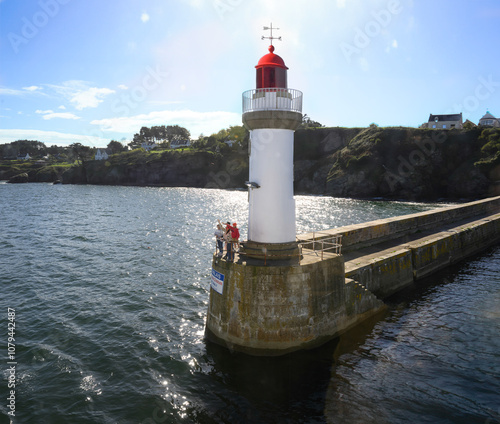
390, 163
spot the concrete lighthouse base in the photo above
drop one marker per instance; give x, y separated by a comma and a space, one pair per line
275, 309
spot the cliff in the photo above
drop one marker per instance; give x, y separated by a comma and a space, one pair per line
399, 163
393, 163
169, 168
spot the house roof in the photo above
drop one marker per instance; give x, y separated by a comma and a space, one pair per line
102, 151
488, 115
452, 117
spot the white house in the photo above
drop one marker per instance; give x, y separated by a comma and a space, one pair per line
180, 143
27, 157
101, 155
149, 146
488, 120
446, 122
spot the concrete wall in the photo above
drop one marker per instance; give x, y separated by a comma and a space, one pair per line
388, 271
435, 252
383, 274
358, 236
277, 309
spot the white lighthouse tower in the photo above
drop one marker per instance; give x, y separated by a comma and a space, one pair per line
276, 298
271, 113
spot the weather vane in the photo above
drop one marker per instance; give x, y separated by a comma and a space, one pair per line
271, 37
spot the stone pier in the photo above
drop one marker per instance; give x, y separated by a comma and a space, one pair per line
275, 307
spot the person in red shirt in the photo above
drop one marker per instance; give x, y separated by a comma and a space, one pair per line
232, 235
235, 234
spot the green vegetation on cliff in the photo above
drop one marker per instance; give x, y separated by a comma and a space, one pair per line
172, 167
415, 164
397, 163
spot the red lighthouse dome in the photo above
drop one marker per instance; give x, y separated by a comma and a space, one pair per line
271, 71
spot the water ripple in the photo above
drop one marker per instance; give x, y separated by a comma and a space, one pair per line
110, 286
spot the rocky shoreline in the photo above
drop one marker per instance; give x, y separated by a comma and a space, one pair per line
390, 163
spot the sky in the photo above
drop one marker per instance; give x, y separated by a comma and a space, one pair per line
93, 71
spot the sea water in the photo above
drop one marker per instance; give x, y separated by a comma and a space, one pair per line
109, 289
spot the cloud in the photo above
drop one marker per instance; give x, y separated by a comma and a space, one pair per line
395, 44
144, 17
62, 107
195, 122
10, 92
50, 114
51, 137
32, 88
90, 98
61, 115
81, 94
341, 4
164, 102
14, 92
123, 87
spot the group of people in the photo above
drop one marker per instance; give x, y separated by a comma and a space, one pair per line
230, 236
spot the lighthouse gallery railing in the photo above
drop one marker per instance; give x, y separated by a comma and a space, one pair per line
272, 99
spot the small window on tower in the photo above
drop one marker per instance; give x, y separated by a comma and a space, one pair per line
272, 78
281, 78
259, 78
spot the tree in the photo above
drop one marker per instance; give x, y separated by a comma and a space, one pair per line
136, 142
307, 122
200, 142
146, 134
161, 134
238, 134
210, 142
81, 152
177, 135
116, 147
9, 151
22, 147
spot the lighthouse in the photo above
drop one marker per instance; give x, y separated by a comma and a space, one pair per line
271, 112
277, 296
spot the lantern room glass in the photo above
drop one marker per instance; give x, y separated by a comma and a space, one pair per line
271, 77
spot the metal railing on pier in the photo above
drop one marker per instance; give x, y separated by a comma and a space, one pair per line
287, 99
319, 244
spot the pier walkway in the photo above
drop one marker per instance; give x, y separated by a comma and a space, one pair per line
387, 255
